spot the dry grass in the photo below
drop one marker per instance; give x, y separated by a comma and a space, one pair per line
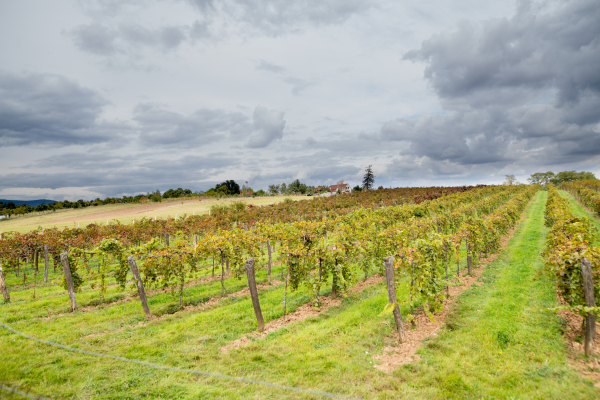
124, 213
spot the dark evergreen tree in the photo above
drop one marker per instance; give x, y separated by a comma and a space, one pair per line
368, 179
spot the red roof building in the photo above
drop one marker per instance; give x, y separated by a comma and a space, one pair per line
343, 188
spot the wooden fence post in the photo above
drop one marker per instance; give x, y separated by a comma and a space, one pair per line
469, 258
590, 320
140, 286
167, 239
36, 261
3, 287
46, 263
269, 251
458, 260
388, 263
223, 290
64, 258
254, 293
447, 285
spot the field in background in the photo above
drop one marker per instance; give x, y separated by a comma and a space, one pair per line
125, 213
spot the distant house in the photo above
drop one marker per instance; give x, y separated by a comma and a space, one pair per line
343, 188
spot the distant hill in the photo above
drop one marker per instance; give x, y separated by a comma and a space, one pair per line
32, 203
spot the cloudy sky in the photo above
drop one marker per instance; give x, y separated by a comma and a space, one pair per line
113, 97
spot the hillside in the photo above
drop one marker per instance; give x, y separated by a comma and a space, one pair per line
32, 203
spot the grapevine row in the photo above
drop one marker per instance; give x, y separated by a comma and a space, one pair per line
585, 191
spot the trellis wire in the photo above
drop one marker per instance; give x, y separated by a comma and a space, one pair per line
21, 393
175, 369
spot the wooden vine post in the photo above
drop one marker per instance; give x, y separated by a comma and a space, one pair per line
36, 261
590, 319
140, 286
469, 258
458, 259
3, 287
254, 293
64, 258
388, 263
269, 251
447, 284
46, 263
223, 289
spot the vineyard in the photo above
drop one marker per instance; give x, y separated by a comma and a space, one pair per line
288, 300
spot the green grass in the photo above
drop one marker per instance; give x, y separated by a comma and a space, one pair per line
499, 343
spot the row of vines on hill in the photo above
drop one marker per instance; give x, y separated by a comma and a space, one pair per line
330, 243
587, 192
570, 240
424, 237
221, 218
23, 246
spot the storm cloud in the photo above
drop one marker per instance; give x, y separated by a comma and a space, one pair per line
523, 90
48, 109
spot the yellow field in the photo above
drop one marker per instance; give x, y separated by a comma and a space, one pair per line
125, 213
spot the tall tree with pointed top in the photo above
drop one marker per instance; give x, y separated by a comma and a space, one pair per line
369, 178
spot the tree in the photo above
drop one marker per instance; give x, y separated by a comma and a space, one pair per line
297, 187
231, 187
369, 178
510, 180
273, 189
542, 178
356, 188
570, 176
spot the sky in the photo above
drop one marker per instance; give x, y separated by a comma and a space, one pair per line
118, 97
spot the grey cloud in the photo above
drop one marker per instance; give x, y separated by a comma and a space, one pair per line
49, 109
263, 65
162, 127
96, 39
102, 171
203, 5
128, 39
298, 84
117, 36
488, 76
109, 8
268, 126
278, 17
551, 44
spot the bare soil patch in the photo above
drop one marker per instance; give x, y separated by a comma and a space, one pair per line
588, 368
